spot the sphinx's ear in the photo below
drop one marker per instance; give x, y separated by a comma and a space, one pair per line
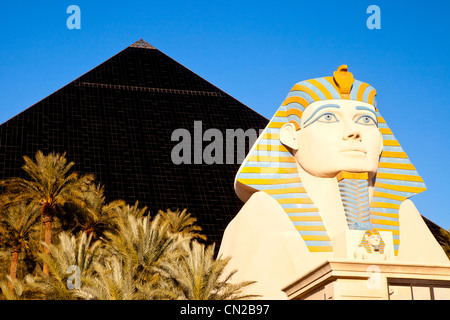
288, 137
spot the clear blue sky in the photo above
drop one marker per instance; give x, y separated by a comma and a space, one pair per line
255, 51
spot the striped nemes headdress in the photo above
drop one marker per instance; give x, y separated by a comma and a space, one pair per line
270, 167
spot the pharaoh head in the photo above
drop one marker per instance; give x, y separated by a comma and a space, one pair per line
372, 242
346, 129
330, 127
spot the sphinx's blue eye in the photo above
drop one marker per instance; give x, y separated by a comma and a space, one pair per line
327, 117
366, 120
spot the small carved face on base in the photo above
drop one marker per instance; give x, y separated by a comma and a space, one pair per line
373, 240
336, 135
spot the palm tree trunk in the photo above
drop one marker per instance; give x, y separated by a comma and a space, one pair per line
48, 242
13, 268
47, 213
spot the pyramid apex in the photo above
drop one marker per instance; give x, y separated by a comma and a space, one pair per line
142, 44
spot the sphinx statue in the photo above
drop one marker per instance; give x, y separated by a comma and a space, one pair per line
325, 170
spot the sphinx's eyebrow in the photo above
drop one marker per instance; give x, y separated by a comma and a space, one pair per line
367, 109
320, 108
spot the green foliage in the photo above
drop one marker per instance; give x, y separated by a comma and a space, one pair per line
182, 223
94, 216
113, 280
118, 251
70, 251
50, 182
17, 224
198, 276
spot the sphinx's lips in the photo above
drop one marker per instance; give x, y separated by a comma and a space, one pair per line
354, 152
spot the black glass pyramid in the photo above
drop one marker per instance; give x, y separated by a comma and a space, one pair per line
116, 121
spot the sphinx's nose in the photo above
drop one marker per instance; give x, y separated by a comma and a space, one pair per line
351, 131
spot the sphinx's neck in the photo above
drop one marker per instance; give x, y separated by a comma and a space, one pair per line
343, 201
354, 190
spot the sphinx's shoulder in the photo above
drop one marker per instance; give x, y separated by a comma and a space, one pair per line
261, 219
417, 242
261, 206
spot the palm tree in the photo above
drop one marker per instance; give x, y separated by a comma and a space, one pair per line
198, 276
97, 216
182, 223
20, 290
144, 244
16, 226
12, 289
113, 280
50, 186
72, 254
121, 213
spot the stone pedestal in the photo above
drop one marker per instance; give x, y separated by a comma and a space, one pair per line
342, 279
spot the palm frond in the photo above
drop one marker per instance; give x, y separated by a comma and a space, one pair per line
182, 223
198, 276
